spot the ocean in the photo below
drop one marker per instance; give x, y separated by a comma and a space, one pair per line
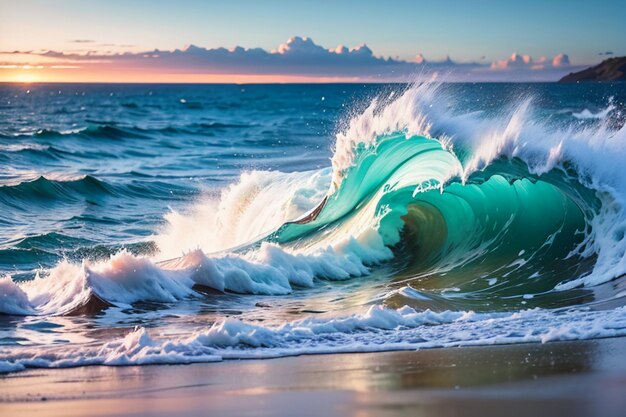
145, 223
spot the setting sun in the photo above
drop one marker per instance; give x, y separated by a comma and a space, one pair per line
26, 77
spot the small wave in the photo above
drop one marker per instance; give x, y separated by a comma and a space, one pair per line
100, 131
50, 241
19, 147
37, 155
113, 132
56, 188
101, 122
374, 330
110, 130
125, 279
586, 114
29, 259
218, 125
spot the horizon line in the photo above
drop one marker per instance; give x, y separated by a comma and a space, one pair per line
3, 82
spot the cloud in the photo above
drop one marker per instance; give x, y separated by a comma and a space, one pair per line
301, 56
518, 61
419, 59
82, 41
514, 61
606, 53
298, 46
561, 60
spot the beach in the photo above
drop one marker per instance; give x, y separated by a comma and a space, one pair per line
581, 378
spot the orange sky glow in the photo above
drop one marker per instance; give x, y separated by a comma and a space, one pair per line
298, 60
44, 74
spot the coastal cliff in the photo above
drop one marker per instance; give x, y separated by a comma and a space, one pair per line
612, 69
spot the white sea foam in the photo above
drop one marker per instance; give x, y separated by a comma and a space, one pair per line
125, 278
377, 329
13, 300
257, 204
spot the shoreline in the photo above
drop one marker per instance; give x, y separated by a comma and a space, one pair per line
577, 378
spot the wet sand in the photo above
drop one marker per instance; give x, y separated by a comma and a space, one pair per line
586, 378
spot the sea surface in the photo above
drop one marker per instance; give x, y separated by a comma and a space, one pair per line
193, 223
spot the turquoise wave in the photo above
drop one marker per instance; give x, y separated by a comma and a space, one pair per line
503, 234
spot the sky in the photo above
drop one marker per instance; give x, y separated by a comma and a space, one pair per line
298, 41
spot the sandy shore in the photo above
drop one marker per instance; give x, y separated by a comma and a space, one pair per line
585, 378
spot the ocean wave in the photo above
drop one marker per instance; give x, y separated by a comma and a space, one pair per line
36, 153
108, 130
374, 330
411, 163
125, 279
19, 147
24, 188
65, 188
246, 211
95, 131
474, 144
586, 114
218, 125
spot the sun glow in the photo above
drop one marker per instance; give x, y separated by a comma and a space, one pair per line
26, 77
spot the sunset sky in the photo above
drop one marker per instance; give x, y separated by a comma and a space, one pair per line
292, 41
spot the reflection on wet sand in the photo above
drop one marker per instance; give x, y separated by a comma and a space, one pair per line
560, 378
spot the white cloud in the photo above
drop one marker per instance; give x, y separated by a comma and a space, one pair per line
297, 45
514, 61
518, 61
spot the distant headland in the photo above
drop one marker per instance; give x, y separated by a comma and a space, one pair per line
612, 69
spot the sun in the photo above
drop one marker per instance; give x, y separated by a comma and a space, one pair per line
26, 78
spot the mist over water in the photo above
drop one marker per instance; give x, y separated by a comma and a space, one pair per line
262, 221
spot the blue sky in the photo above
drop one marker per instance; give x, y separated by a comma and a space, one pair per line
476, 31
